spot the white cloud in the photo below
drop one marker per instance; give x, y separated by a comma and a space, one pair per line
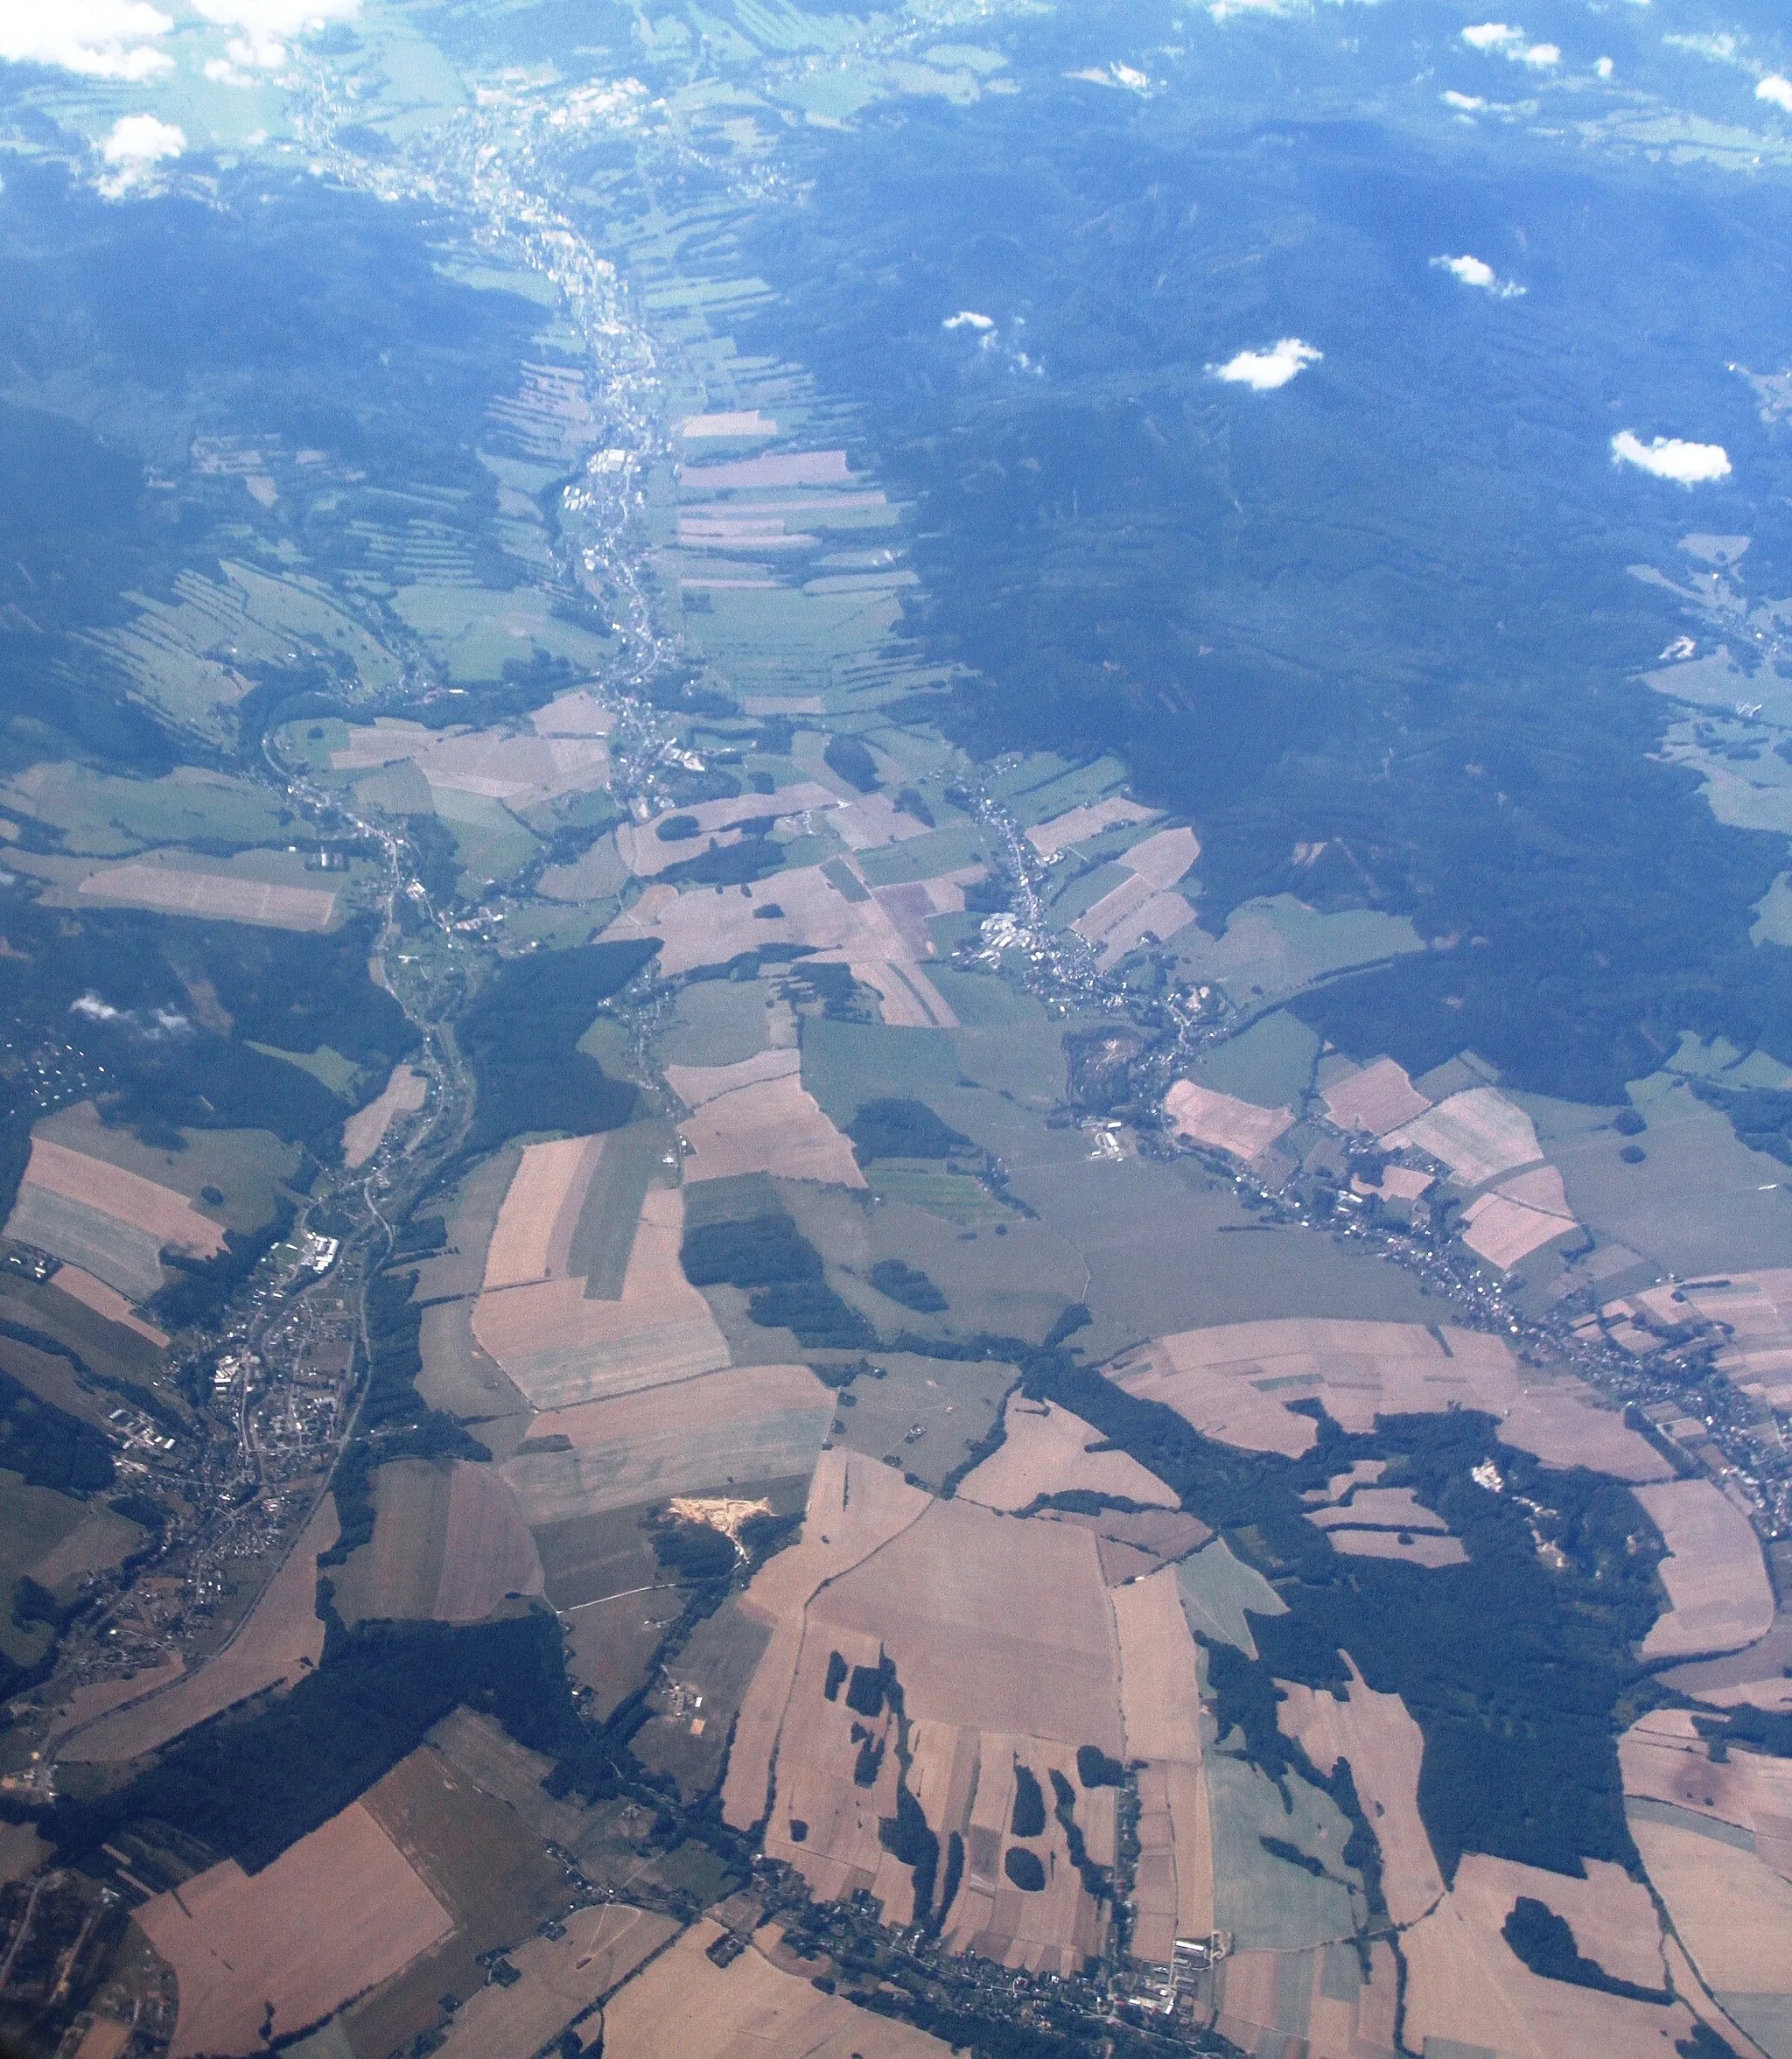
1501, 39
1475, 271
1667, 457
94, 1009
1777, 91
99, 39
136, 145
967, 318
1604, 68
1264, 370
1467, 103
266, 26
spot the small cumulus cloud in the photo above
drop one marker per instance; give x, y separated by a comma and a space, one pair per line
1465, 103
95, 1010
1264, 370
1667, 457
97, 39
968, 319
1777, 91
1604, 68
1475, 271
1502, 39
265, 27
136, 145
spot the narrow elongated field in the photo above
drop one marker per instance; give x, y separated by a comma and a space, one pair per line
111, 1222
1377, 1734
171, 890
685, 2007
1221, 1122
280, 1641
1080, 823
487, 1553
1716, 1582
1045, 1451
1160, 1714
337, 1912
365, 1130
534, 1231
1237, 1382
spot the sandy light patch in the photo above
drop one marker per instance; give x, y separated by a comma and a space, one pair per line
791, 468
561, 1349
575, 714
365, 1130
1223, 1122
1376, 1100
1237, 1381
757, 1117
746, 1422
1718, 1592
518, 768
1478, 1135
335, 1913
172, 890
279, 1642
1045, 1451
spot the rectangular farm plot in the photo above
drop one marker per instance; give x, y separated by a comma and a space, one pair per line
170, 888
1045, 1451
533, 1236
1518, 1217
1478, 1135
685, 2007
1717, 1583
1669, 1774
487, 1553
1079, 824
561, 1977
335, 1913
1236, 1383
1376, 1100
562, 1347
757, 1117
112, 1224
1221, 1122
747, 1424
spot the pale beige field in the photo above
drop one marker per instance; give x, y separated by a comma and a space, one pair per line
535, 1226
1164, 859
574, 714
1130, 913
1504, 1230
757, 1117
280, 1640
1338, 2014
128, 1197
1223, 1122
1663, 1758
646, 853
1376, 1100
683, 2006
855, 1506
1716, 1582
561, 1349
791, 468
1732, 1912
1405, 1183
1161, 1715
1478, 1135
395, 1576
1080, 823
335, 1913
98, 1697
1044, 1451
365, 1130
1466, 1983
1385, 1746
170, 890
1383, 1508
1235, 1382
1754, 1347
743, 1424
107, 1301
561, 1976
1416, 1548
487, 1552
